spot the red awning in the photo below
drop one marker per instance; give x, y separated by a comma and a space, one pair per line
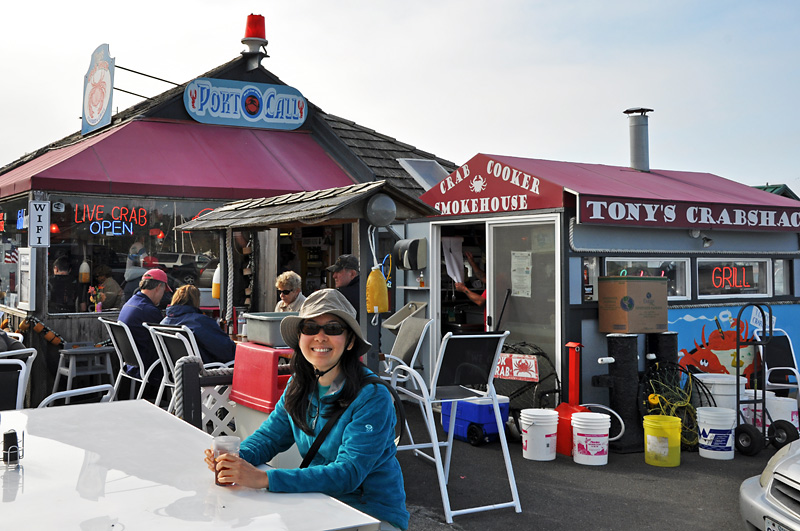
180, 159
611, 195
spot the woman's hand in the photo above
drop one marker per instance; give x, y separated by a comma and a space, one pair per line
234, 469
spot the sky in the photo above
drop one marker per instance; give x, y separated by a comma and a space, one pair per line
535, 79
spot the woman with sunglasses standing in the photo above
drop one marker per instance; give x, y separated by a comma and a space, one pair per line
289, 295
357, 461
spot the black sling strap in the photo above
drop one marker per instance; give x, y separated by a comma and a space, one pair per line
399, 410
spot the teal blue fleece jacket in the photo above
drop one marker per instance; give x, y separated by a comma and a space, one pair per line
356, 464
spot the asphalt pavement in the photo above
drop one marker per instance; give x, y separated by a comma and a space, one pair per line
625, 494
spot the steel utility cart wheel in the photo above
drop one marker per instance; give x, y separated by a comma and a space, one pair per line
781, 433
749, 439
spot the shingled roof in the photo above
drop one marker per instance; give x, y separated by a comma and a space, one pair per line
364, 153
343, 204
380, 153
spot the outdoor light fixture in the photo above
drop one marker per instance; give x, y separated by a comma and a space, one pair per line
255, 40
696, 233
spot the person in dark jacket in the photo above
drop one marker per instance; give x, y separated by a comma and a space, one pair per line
63, 290
215, 345
142, 308
346, 279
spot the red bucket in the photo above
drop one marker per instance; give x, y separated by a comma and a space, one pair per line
564, 435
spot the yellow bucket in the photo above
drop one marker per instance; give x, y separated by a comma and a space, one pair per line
662, 440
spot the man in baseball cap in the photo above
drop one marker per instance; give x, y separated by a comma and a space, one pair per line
155, 274
346, 279
142, 307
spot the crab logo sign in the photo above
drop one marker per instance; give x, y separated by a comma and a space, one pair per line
97, 88
478, 184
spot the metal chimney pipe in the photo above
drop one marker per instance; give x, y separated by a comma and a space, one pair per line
640, 149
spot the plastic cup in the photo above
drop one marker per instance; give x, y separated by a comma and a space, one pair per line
225, 444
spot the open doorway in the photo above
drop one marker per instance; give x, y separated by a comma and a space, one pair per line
521, 260
463, 306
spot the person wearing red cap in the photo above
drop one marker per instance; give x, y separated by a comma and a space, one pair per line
143, 308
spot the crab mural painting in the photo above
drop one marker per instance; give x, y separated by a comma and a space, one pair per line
707, 337
716, 353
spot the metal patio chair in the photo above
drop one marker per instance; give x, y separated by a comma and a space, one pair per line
780, 365
27, 356
172, 345
406, 347
107, 389
463, 360
127, 352
13, 383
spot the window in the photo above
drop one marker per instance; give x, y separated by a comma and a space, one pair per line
733, 278
781, 280
590, 272
427, 173
675, 270
13, 237
115, 240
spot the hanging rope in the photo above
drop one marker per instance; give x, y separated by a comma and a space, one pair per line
229, 291
372, 244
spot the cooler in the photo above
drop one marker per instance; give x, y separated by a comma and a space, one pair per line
256, 383
475, 419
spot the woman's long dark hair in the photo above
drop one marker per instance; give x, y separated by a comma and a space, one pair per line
304, 383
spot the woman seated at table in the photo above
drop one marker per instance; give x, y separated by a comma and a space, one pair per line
357, 462
215, 345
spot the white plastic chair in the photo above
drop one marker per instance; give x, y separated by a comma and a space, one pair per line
127, 352
780, 364
108, 389
463, 360
15, 335
18, 375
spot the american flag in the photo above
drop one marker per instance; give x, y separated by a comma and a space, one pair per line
11, 256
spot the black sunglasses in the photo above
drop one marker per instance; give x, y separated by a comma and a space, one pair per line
333, 328
284, 292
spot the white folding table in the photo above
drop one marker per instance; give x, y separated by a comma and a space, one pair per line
131, 465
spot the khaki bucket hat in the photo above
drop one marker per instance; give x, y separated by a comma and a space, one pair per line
318, 303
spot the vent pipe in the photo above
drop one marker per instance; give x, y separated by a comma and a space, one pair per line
640, 149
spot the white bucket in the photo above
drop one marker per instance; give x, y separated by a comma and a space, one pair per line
715, 427
723, 388
782, 408
753, 412
590, 438
539, 429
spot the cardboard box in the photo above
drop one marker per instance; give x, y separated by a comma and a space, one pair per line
632, 305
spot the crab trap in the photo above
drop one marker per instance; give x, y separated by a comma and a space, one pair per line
527, 376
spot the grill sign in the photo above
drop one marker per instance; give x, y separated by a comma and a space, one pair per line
239, 104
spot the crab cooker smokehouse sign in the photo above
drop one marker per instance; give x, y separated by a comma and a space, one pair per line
485, 186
